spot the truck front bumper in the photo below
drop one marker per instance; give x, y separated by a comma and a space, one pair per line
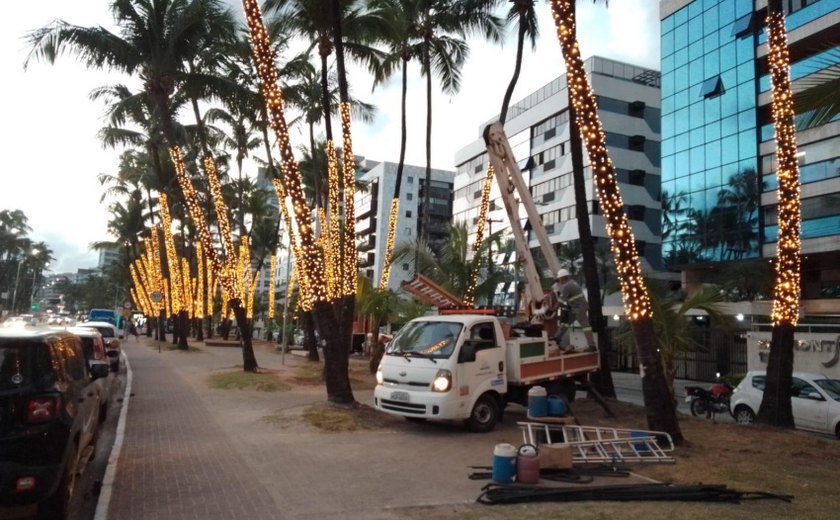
420, 404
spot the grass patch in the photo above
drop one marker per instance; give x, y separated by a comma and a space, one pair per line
263, 381
330, 418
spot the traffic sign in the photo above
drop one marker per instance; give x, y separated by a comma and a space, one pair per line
127, 305
156, 296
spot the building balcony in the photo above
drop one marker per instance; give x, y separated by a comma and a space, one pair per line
368, 244
367, 260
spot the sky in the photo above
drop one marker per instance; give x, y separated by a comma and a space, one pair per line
50, 124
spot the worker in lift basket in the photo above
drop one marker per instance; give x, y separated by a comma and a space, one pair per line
567, 291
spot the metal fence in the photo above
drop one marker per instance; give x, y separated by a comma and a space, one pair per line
723, 352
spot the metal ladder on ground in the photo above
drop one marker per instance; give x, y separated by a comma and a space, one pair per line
598, 445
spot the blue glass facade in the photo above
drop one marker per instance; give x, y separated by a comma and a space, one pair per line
709, 135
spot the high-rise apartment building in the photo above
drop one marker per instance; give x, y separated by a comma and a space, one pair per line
537, 128
719, 184
373, 209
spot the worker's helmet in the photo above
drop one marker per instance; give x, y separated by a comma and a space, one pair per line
562, 273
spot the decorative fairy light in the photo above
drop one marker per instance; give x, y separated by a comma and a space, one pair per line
294, 246
198, 308
171, 256
211, 288
222, 216
254, 282
348, 164
312, 266
787, 289
623, 244
469, 296
389, 246
200, 222
187, 288
271, 277
332, 236
168, 297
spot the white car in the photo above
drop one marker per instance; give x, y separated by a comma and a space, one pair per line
109, 336
815, 400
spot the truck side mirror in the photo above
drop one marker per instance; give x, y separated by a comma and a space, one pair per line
467, 352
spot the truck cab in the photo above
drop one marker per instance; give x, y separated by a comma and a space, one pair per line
445, 367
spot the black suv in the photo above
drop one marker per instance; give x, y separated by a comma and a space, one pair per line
49, 411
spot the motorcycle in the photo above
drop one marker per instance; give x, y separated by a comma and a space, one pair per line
711, 401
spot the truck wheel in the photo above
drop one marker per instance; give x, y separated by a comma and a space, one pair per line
484, 416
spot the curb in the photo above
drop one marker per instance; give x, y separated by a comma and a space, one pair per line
111, 470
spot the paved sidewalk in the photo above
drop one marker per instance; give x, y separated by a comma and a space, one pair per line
195, 452
176, 461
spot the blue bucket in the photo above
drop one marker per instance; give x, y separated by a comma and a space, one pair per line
504, 463
556, 406
537, 402
641, 447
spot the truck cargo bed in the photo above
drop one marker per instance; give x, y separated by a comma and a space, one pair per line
528, 361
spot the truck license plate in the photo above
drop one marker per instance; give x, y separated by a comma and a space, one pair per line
399, 396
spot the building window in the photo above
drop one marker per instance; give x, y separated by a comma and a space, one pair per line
637, 177
408, 214
637, 143
409, 196
744, 26
712, 87
405, 267
636, 109
410, 180
408, 231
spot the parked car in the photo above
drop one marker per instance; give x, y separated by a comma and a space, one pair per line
93, 347
107, 315
109, 336
815, 400
48, 418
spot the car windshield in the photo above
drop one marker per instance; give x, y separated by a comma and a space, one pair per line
434, 339
830, 386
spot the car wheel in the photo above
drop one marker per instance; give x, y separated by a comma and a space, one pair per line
55, 506
485, 415
699, 407
743, 415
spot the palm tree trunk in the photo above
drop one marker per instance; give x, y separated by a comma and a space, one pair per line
601, 380
660, 408
517, 68
336, 364
427, 189
776, 408
310, 340
184, 329
244, 324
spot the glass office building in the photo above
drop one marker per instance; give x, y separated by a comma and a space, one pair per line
719, 189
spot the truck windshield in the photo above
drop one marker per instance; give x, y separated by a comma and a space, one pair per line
426, 338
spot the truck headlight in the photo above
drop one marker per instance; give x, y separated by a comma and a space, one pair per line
442, 381
379, 377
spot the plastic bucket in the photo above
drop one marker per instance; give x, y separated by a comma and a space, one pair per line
527, 464
640, 447
537, 402
556, 406
504, 463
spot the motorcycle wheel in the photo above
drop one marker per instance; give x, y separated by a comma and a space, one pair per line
699, 407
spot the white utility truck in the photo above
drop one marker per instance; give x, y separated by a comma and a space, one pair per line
465, 364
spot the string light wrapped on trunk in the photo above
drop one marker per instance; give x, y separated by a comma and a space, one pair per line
349, 168
787, 289
271, 280
175, 284
469, 296
389, 245
310, 259
623, 244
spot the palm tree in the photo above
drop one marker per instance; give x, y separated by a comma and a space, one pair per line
676, 332
441, 28
158, 41
450, 266
661, 411
775, 406
817, 101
